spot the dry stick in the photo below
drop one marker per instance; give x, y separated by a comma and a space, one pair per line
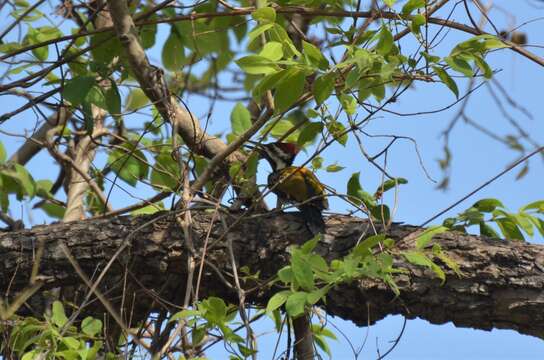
186, 226
252, 341
99, 295
508, 169
204, 249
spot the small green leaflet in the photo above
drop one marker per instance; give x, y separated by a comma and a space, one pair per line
411, 5
447, 79
296, 303
240, 119
419, 258
289, 89
426, 236
277, 300
488, 205
256, 65
173, 52
323, 87
75, 90
264, 15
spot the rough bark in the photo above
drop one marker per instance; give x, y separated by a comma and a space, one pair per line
501, 288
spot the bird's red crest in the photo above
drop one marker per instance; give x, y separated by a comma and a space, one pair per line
289, 148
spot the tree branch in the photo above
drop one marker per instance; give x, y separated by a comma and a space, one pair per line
501, 287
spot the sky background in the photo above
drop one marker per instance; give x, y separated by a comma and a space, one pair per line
476, 158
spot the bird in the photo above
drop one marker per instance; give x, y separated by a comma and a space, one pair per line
294, 184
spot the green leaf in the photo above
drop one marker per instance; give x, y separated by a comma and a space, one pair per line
277, 300
75, 90
320, 330
136, 99
148, 34
332, 168
510, 229
338, 131
314, 56
216, 309
310, 245
426, 236
460, 65
356, 192
71, 343
411, 5
309, 133
302, 270
322, 343
173, 52
317, 162
536, 205
91, 326
3, 153
483, 66
419, 258
390, 184
488, 205
525, 223
487, 230
349, 103
240, 119
129, 163
23, 179
113, 100
385, 42
289, 89
268, 82
53, 210
390, 3
245, 351
58, 316
447, 79
165, 173
43, 188
295, 304
316, 295
184, 314
272, 50
264, 15
437, 251
96, 97
323, 87
255, 64
364, 248
285, 274
417, 21
253, 34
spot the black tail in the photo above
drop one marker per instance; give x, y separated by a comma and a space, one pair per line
314, 219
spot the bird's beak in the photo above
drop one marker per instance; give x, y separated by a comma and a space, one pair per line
255, 146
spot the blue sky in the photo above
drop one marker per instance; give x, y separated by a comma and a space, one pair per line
476, 158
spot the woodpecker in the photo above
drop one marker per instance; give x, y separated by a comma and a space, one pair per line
294, 184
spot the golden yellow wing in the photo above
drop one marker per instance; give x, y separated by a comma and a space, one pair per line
300, 184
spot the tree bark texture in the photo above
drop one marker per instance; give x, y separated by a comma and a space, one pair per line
502, 286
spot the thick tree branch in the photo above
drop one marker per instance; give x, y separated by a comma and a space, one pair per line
501, 287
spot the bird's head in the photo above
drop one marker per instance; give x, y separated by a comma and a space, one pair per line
278, 154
